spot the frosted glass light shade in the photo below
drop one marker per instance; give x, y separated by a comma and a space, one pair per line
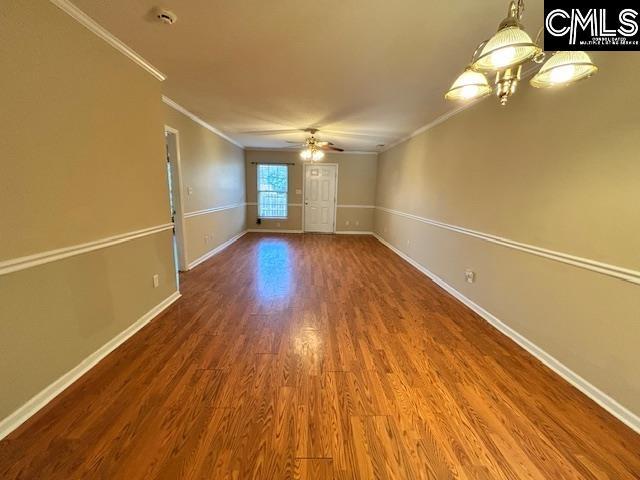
564, 68
469, 85
510, 47
305, 154
317, 155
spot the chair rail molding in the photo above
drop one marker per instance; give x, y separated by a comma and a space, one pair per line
22, 263
213, 209
615, 271
356, 206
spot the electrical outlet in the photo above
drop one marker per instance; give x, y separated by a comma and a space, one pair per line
357, 223
206, 239
469, 275
156, 280
189, 190
277, 224
346, 222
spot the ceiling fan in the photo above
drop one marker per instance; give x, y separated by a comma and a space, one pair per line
289, 131
312, 148
312, 144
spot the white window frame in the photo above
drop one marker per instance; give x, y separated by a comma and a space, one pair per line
286, 193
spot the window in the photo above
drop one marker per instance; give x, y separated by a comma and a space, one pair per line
273, 185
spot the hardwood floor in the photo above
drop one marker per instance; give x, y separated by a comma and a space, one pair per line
311, 356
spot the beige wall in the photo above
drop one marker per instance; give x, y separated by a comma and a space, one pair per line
555, 169
55, 315
75, 114
356, 186
213, 175
82, 159
206, 232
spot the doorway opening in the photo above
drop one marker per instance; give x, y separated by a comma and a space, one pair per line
174, 181
320, 192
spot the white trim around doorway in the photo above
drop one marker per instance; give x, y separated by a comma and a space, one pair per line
179, 220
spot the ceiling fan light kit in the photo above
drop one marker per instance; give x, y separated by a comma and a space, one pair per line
313, 149
311, 153
506, 53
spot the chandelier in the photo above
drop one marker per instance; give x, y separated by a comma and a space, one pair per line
505, 54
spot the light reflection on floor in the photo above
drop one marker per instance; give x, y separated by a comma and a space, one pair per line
274, 270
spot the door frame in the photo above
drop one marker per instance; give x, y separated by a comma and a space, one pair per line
179, 225
304, 185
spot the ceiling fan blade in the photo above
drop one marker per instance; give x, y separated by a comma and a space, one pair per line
295, 143
352, 134
323, 144
335, 149
272, 132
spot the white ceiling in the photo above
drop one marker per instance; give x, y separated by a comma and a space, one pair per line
375, 69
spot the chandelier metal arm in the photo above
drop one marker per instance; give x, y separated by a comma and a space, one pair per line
539, 58
516, 9
506, 52
540, 37
476, 53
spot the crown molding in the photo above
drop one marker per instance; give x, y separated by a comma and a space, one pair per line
199, 121
453, 112
442, 118
89, 23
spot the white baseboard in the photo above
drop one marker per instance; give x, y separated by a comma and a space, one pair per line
341, 232
213, 252
605, 401
272, 230
23, 413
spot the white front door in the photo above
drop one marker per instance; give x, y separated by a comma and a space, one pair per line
319, 197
